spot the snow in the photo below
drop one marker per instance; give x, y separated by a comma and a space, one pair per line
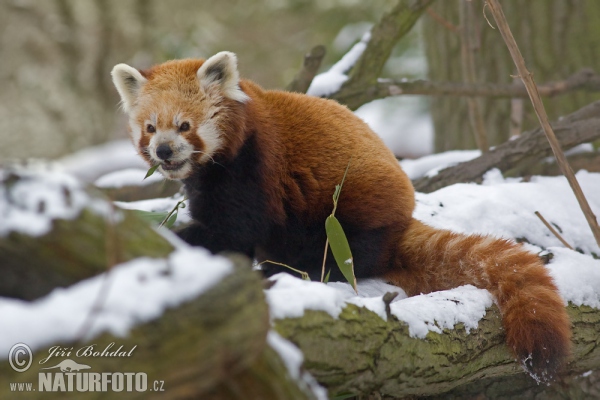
138, 291
432, 164
159, 205
402, 122
580, 284
293, 359
331, 81
506, 208
442, 310
289, 297
91, 163
500, 207
39, 196
127, 177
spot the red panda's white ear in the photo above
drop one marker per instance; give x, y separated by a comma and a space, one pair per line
128, 82
221, 69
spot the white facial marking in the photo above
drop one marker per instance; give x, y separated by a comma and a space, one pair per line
211, 137
135, 132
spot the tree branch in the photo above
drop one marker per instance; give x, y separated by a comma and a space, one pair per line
384, 35
354, 97
310, 66
579, 127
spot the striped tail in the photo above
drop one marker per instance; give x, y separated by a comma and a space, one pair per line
537, 326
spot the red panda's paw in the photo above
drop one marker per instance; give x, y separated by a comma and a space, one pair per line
538, 330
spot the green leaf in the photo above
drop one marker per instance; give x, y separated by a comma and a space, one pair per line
151, 170
170, 222
340, 249
153, 217
326, 281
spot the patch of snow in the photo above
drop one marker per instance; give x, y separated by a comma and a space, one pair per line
329, 82
91, 163
127, 177
505, 208
442, 310
349, 34
159, 205
402, 122
138, 291
31, 203
580, 148
577, 276
293, 359
432, 164
291, 296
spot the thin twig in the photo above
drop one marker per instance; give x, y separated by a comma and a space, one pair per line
302, 273
442, 21
175, 209
540, 111
553, 230
324, 259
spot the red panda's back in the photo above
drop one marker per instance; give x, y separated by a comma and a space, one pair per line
320, 138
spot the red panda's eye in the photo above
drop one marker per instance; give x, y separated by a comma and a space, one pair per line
150, 128
184, 127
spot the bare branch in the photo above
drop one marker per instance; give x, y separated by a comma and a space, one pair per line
310, 66
354, 97
384, 35
576, 128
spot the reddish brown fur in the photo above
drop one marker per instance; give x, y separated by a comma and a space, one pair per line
304, 145
533, 313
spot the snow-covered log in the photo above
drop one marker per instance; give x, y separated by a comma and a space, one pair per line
195, 323
213, 345
359, 352
54, 231
210, 339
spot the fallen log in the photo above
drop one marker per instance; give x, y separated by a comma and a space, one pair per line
582, 126
361, 353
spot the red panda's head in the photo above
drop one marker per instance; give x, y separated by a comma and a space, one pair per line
178, 110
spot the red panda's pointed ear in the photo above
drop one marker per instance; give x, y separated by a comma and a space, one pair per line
221, 69
128, 82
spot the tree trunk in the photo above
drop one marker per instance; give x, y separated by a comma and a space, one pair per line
557, 38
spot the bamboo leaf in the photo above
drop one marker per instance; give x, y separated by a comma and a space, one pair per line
170, 221
326, 280
151, 170
153, 217
340, 249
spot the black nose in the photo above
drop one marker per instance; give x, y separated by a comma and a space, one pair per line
164, 152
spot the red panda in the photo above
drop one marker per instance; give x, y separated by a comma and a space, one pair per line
260, 167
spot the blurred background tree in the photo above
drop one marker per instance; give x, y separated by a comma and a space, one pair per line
57, 94
557, 38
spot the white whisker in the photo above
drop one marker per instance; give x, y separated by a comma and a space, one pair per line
208, 155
